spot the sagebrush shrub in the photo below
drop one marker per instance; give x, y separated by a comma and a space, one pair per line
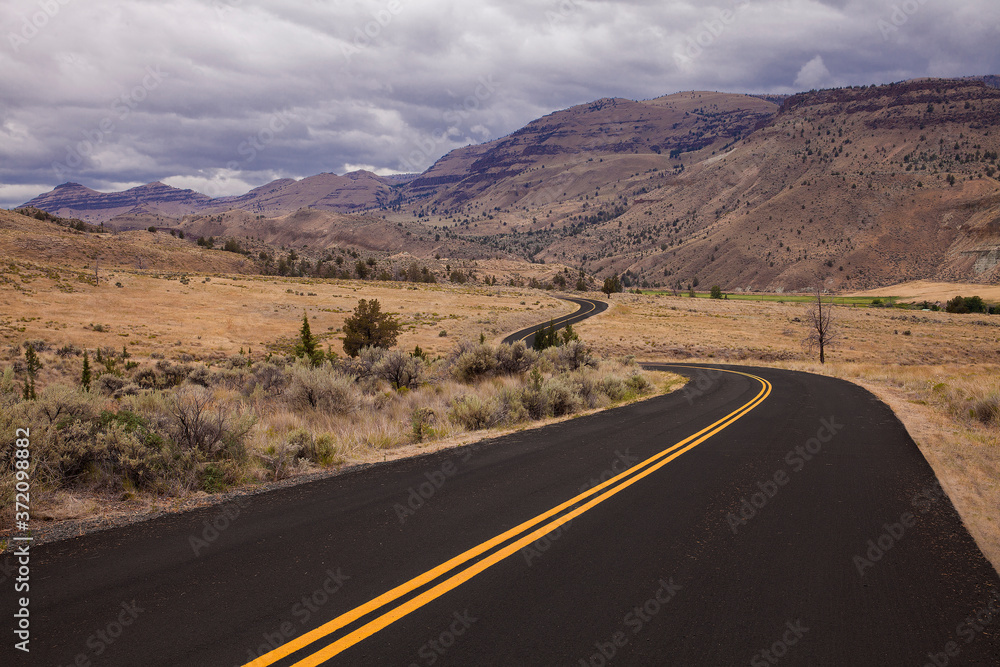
200, 376
321, 389
613, 387
474, 363
515, 359
110, 385
559, 398
198, 423
574, 355
471, 412
399, 369
509, 409
269, 377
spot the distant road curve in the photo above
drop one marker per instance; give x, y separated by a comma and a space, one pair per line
588, 308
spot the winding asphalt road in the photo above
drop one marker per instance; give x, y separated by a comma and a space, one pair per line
587, 308
756, 517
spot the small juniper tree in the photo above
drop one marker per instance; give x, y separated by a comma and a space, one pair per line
369, 326
308, 345
611, 285
568, 334
33, 366
549, 337
85, 376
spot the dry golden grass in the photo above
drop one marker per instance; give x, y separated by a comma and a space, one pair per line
925, 290
45, 244
930, 368
213, 316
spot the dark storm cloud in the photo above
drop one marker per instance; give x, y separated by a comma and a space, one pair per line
224, 95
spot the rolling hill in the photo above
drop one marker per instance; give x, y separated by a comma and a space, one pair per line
852, 188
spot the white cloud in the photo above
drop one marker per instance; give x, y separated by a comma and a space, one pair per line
813, 74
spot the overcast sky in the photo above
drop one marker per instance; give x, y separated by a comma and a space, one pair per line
225, 95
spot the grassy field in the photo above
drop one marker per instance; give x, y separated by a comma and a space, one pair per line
214, 316
940, 372
786, 298
926, 290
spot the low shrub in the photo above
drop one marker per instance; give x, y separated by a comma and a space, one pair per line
198, 423
269, 378
559, 398
509, 409
399, 369
986, 410
474, 362
321, 389
110, 385
200, 376
515, 359
613, 387
572, 356
472, 412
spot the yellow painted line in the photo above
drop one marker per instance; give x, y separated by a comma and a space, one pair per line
591, 303
637, 472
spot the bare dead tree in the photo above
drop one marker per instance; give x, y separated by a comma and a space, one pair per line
823, 330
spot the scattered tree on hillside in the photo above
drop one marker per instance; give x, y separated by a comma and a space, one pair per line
823, 330
369, 326
716, 292
611, 285
361, 269
968, 304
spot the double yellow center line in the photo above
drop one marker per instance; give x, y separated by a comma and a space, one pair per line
522, 535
